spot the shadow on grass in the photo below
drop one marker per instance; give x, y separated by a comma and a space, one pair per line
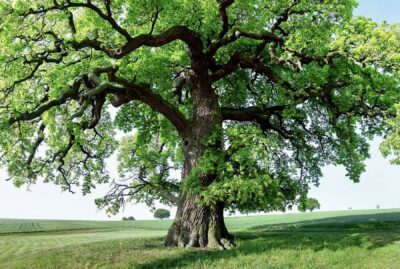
352, 221
334, 233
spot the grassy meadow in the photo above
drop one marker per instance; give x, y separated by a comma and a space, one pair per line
343, 239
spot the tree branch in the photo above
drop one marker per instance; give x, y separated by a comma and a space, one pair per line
245, 62
69, 4
143, 92
39, 140
183, 33
284, 16
223, 5
253, 113
266, 36
72, 92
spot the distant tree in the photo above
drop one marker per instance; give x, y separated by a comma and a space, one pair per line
124, 218
309, 204
350, 208
161, 214
131, 218
378, 206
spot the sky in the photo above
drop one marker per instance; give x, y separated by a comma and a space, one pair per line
379, 185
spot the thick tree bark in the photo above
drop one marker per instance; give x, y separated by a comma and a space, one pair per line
200, 225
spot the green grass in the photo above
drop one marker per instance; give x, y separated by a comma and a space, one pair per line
344, 239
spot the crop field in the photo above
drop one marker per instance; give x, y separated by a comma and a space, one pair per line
29, 226
343, 239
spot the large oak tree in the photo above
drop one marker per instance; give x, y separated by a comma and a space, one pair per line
249, 99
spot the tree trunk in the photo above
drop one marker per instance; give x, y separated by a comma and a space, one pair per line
200, 225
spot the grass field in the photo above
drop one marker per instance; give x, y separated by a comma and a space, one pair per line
344, 239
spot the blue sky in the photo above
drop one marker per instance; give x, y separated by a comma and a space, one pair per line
379, 185
380, 10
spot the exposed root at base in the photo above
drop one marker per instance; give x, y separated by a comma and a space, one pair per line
222, 244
